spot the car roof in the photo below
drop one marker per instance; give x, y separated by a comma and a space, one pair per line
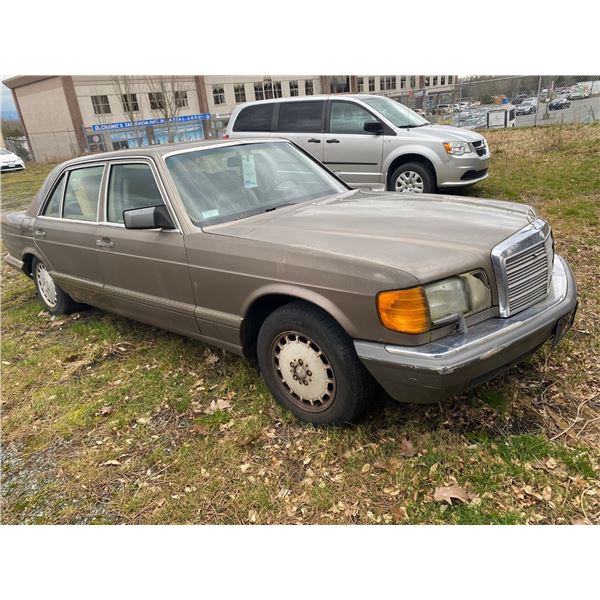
159, 150
309, 98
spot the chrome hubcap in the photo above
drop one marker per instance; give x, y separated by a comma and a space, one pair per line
409, 181
45, 285
304, 371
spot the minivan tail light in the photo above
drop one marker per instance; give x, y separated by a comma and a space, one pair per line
226, 136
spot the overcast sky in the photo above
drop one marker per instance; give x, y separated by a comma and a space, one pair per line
7, 104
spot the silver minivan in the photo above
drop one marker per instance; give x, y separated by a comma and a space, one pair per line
369, 141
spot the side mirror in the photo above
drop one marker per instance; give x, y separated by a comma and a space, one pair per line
373, 127
152, 217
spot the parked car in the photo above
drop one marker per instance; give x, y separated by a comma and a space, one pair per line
255, 247
9, 161
576, 94
369, 141
527, 107
559, 103
519, 98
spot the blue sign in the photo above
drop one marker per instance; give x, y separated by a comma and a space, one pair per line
127, 124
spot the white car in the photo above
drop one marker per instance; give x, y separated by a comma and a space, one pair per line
10, 161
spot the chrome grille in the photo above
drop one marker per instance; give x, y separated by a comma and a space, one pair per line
480, 147
523, 265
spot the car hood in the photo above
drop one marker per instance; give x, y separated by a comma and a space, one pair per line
446, 133
429, 236
9, 158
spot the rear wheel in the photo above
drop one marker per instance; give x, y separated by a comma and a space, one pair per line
311, 367
413, 178
56, 301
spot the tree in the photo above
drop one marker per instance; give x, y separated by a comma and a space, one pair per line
127, 89
169, 96
11, 128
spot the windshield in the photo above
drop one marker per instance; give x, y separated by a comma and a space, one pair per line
398, 114
235, 181
3, 151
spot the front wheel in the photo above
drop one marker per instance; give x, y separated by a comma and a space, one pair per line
56, 301
413, 178
311, 367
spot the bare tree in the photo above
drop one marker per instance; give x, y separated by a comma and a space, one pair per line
128, 89
169, 96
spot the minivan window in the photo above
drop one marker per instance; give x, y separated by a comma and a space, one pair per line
398, 114
52, 209
256, 117
81, 194
131, 186
347, 117
301, 116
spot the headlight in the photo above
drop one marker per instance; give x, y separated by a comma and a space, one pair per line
457, 148
415, 310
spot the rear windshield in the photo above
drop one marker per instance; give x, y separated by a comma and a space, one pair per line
256, 117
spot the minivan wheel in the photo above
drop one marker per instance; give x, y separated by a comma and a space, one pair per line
413, 178
311, 367
56, 301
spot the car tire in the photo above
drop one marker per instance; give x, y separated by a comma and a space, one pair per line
416, 177
311, 367
55, 300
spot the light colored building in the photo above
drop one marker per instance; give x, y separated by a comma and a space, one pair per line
66, 116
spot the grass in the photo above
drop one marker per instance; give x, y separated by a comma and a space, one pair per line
105, 420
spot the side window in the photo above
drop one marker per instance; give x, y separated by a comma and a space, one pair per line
52, 208
255, 118
347, 117
81, 194
301, 116
131, 186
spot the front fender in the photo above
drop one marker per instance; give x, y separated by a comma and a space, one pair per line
413, 149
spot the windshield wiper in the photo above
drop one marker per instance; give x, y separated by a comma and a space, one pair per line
280, 206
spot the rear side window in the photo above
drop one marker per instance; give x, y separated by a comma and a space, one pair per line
52, 208
301, 116
81, 194
131, 186
256, 117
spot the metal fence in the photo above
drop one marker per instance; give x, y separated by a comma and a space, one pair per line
527, 101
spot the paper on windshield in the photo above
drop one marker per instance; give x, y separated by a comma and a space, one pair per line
249, 171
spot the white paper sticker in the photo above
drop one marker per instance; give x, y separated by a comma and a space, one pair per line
249, 171
209, 214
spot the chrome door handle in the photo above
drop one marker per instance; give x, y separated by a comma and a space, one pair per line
104, 243
39, 233
333, 141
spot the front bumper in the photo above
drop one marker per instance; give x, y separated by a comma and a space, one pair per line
15, 167
459, 362
463, 170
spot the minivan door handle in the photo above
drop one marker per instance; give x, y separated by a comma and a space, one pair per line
105, 243
333, 141
39, 233
314, 141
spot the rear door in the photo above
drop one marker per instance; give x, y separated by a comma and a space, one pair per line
302, 122
65, 232
145, 271
350, 151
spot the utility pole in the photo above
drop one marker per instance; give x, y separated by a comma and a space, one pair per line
538, 101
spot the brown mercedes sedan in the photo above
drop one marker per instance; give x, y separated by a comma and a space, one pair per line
255, 247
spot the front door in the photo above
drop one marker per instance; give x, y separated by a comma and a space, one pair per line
145, 271
65, 233
351, 152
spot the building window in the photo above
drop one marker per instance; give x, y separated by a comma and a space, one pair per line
443, 80
427, 80
450, 79
218, 94
239, 92
371, 84
390, 82
435, 80
361, 84
157, 100
130, 103
402, 81
101, 105
181, 99
381, 84
413, 81
277, 89
294, 88
309, 89
258, 92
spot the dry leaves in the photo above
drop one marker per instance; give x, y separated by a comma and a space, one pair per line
452, 492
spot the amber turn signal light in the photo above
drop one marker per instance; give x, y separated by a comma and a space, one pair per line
404, 310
